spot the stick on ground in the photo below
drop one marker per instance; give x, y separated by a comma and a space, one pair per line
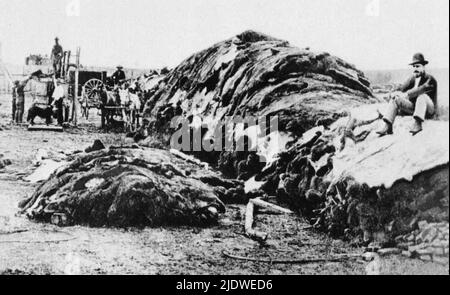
249, 217
293, 261
249, 231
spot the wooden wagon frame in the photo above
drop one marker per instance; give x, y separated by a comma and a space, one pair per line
84, 85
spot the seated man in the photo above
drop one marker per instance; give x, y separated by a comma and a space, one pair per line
118, 76
418, 98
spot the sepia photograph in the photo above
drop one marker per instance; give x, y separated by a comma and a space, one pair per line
246, 138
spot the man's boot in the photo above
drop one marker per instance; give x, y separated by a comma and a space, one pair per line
417, 126
386, 130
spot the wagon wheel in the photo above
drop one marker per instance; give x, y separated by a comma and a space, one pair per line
90, 87
90, 95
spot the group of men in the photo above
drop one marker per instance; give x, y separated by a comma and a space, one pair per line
18, 89
56, 100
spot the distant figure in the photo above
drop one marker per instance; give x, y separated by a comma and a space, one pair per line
84, 103
417, 97
118, 76
56, 57
20, 99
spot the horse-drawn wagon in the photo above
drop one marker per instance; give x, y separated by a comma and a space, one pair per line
43, 85
82, 90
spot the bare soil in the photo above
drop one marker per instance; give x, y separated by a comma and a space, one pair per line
28, 247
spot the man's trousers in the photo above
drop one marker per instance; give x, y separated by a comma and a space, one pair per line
422, 109
14, 109
20, 108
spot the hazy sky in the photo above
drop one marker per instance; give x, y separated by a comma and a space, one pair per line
150, 33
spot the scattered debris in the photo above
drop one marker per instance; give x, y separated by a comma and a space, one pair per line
45, 169
188, 158
96, 146
4, 162
41, 154
430, 241
389, 251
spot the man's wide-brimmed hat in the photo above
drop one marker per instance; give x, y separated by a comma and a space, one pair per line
119, 67
418, 58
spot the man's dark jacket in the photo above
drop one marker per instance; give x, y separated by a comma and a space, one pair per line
118, 76
427, 85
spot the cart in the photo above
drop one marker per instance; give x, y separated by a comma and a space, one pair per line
83, 91
89, 83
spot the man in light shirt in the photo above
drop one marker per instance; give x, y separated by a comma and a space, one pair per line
58, 99
417, 97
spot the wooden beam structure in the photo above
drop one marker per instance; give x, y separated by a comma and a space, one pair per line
39, 127
75, 90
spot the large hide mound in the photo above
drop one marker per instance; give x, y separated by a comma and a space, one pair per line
330, 166
256, 75
348, 181
128, 187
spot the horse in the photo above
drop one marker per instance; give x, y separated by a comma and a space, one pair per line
109, 102
131, 106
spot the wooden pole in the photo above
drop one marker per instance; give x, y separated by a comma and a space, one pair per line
249, 231
264, 204
68, 62
75, 91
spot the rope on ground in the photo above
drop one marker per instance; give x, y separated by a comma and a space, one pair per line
293, 261
70, 238
13, 231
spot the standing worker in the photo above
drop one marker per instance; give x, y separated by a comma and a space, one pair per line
56, 57
58, 100
20, 99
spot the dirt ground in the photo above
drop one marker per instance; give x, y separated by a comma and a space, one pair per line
27, 247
